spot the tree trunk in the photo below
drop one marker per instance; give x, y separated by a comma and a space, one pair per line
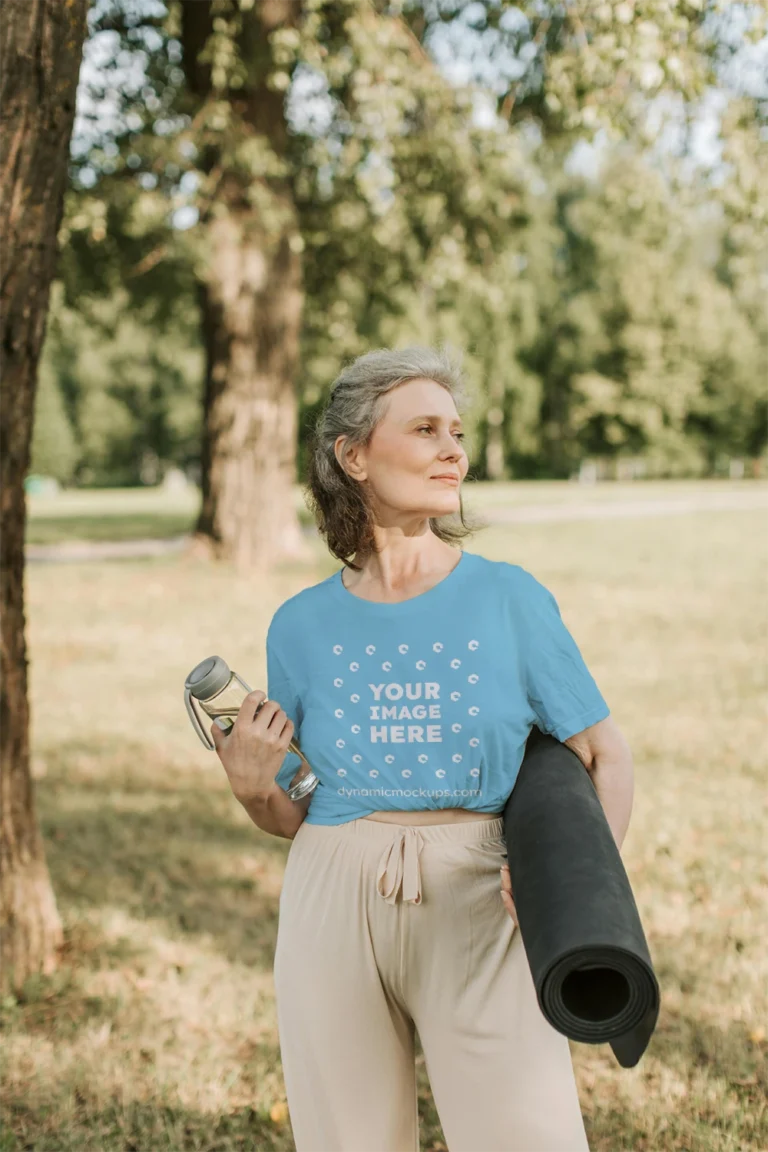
251, 302
41, 44
251, 308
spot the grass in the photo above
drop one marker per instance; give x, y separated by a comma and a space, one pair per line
153, 513
114, 514
158, 1032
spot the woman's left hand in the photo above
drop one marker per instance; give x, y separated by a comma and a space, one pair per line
506, 892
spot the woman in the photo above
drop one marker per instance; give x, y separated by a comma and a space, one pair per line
412, 678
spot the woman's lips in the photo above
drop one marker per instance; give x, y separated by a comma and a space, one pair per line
447, 479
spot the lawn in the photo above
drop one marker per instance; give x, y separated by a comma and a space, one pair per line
151, 513
158, 1033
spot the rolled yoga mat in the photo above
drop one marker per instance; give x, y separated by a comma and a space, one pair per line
575, 910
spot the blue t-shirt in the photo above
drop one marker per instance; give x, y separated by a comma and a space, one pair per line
427, 703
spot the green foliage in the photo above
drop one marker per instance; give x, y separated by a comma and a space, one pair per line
623, 315
132, 390
54, 450
647, 336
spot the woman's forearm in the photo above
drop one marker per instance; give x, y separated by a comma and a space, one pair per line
614, 781
276, 813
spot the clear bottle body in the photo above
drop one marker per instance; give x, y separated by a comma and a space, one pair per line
227, 702
225, 706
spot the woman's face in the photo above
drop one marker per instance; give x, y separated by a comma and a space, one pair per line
418, 437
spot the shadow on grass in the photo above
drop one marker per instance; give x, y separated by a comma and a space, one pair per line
161, 848
719, 1075
121, 831
100, 528
139, 1126
686, 1042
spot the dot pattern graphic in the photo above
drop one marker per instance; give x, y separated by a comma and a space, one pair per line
421, 713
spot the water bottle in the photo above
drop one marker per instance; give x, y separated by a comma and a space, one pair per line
215, 692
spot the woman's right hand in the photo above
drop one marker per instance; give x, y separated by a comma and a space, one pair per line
253, 750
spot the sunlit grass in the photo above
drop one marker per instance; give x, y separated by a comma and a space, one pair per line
159, 1034
154, 513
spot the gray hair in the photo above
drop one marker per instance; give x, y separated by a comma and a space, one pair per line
355, 406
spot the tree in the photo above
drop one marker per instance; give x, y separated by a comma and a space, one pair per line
251, 292
330, 130
279, 205
40, 50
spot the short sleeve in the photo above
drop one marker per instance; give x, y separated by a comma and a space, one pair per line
281, 689
561, 689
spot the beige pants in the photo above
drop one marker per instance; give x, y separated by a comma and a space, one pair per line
385, 928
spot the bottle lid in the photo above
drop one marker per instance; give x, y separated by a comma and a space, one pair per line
208, 678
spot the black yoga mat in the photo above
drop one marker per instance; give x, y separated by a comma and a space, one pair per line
575, 910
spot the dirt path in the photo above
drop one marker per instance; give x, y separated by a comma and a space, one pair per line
622, 509
103, 550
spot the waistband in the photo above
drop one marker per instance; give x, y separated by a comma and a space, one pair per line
398, 871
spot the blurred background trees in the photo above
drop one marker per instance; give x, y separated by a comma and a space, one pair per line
573, 193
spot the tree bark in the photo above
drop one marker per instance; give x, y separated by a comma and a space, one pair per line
251, 302
41, 44
251, 327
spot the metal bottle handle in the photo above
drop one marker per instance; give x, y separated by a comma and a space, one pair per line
304, 786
